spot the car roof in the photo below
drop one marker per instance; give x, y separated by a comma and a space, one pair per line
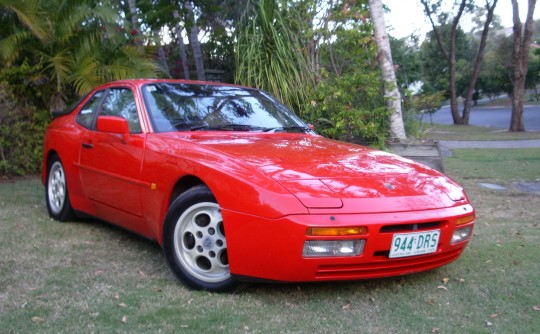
144, 81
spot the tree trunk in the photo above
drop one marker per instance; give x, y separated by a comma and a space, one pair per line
454, 105
193, 37
450, 55
181, 45
522, 43
161, 53
384, 56
478, 64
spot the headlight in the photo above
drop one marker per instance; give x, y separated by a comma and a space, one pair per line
326, 248
461, 234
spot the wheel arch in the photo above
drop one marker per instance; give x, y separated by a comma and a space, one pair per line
183, 184
47, 156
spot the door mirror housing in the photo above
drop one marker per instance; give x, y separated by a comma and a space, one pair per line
114, 124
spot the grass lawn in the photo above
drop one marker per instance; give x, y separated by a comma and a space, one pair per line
90, 277
470, 132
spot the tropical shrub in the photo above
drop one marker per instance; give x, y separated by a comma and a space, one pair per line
269, 53
350, 108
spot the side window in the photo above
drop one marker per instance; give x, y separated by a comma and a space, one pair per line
120, 102
86, 114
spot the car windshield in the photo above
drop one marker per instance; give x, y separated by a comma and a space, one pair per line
194, 107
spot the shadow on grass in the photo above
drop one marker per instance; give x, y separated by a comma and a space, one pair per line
136, 243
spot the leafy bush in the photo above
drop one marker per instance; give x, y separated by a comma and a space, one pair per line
416, 107
21, 135
351, 108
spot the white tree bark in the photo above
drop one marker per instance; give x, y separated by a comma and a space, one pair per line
384, 57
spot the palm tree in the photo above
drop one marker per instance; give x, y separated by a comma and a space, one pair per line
72, 46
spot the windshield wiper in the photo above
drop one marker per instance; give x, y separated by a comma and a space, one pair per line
287, 128
227, 127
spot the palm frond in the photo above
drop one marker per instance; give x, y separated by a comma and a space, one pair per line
130, 63
58, 66
29, 15
86, 75
12, 45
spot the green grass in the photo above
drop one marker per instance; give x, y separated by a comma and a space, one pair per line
84, 277
503, 166
470, 132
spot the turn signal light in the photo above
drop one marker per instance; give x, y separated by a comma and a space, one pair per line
336, 231
465, 220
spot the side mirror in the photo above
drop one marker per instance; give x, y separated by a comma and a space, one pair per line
114, 124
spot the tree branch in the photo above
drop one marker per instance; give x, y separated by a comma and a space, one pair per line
429, 14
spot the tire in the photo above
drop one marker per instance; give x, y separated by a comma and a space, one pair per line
194, 242
56, 191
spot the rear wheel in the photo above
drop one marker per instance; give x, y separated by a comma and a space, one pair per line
56, 191
194, 241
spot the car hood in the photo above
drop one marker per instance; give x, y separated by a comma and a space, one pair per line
327, 174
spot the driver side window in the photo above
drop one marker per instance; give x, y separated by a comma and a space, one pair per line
120, 102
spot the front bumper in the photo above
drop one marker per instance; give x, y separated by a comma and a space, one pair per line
271, 249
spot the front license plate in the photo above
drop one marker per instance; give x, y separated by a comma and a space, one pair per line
417, 243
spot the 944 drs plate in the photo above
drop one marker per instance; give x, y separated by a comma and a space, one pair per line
417, 243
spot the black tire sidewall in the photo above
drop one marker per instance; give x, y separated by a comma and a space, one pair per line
195, 195
66, 213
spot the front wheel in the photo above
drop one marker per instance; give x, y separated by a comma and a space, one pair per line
56, 192
194, 241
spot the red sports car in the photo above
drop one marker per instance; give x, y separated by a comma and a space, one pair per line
236, 188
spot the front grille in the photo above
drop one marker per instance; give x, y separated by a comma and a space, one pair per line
410, 227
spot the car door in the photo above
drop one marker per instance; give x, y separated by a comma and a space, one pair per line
110, 166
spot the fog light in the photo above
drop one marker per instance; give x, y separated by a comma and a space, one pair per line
461, 234
325, 248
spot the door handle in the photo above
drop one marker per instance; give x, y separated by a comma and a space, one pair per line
87, 146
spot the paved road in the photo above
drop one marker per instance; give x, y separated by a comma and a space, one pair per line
497, 117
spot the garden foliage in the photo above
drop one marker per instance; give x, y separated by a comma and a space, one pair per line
21, 134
